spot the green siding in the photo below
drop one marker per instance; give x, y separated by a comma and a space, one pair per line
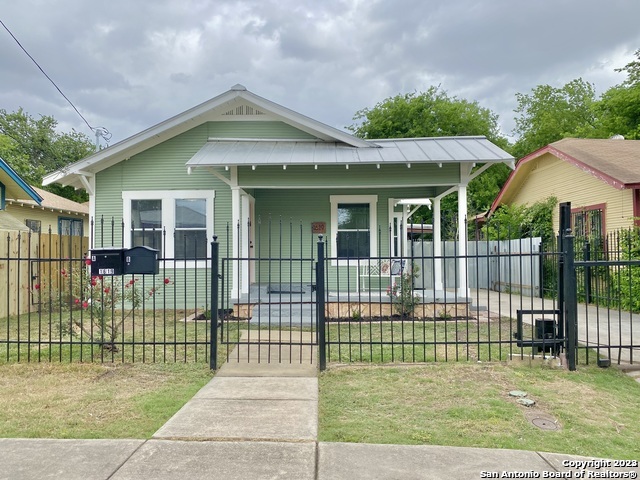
283, 230
253, 129
163, 168
339, 176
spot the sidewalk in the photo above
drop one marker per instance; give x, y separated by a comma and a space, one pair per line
260, 421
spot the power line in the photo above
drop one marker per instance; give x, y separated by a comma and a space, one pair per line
102, 131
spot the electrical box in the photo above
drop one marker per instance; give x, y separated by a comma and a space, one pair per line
107, 261
141, 260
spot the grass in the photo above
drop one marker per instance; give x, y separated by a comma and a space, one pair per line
422, 340
74, 400
155, 336
467, 404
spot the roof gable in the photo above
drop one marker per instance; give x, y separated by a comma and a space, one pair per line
615, 162
236, 104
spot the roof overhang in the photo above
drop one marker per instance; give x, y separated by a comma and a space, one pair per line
438, 151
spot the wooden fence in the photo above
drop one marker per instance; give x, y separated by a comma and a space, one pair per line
29, 262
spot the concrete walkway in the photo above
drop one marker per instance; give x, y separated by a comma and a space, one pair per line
260, 421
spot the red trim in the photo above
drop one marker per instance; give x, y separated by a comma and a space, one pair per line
636, 207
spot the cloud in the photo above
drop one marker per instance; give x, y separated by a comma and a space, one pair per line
128, 65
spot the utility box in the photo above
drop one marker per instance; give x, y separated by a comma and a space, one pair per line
107, 261
545, 329
141, 260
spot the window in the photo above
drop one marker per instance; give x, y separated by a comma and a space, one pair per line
70, 227
176, 222
191, 228
588, 222
34, 225
353, 221
146, 223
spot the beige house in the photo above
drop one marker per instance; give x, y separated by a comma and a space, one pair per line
600, 177
61, 215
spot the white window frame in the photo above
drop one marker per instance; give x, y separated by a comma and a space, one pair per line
335, 200
168, 198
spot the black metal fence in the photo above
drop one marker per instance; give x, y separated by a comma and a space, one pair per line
54, 309
286, 287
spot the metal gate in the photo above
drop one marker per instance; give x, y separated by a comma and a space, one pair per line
598, 297
274, 320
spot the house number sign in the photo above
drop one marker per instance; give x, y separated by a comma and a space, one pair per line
318, 228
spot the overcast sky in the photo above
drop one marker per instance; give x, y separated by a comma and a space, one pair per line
129, 64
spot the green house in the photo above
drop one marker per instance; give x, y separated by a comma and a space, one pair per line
266, 181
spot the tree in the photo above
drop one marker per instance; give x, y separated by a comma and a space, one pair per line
434, 114
33, 148
428, 114
618, 110
549, 114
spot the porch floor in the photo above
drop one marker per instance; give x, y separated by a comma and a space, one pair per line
305, 293
286, 305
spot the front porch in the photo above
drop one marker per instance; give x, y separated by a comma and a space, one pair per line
294, 305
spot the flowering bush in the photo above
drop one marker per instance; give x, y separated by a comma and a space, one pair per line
403, 295
106, 301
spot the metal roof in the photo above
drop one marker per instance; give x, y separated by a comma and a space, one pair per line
239, 152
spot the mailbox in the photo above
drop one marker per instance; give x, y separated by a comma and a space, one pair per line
107, 261
141, 260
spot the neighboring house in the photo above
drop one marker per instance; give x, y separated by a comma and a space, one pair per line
13, 186
600, 177
16, 276
54, 213
221, 166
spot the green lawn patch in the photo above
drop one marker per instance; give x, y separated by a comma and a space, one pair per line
468, 405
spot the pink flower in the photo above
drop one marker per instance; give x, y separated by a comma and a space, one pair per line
87, 261
77, 300
37, 286
63, 272
85, 304
166, 281
107, 290
94, 282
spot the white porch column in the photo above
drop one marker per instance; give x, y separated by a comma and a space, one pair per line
463, 287
244, 229
437, 247
235, 220
404, 243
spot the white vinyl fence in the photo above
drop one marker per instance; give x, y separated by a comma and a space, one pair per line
511, 266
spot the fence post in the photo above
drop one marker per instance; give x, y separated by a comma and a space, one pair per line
570, 300
564, 227
213, 339
320, 307
587, 273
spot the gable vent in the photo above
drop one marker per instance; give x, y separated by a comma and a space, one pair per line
243, 110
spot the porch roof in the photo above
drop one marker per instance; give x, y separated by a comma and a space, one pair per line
437, 150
